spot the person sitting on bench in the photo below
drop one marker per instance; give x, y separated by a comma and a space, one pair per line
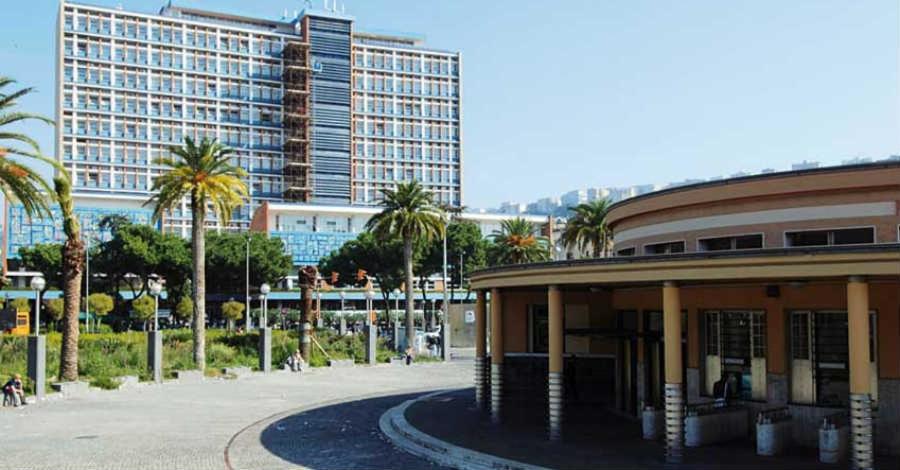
13, 392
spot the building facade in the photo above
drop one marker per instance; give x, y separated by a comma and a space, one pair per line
315, 112
785, 286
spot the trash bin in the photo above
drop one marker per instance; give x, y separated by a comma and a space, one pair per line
834, 438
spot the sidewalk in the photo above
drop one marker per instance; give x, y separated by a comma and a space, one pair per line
593, 439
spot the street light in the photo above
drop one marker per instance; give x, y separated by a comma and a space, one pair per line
264, 290
37, 284
247, 286
370, 294
155, 290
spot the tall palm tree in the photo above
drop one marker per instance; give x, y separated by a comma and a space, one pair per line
203, 174
19, 182
587, 228
408, 213
72, 270
516, 243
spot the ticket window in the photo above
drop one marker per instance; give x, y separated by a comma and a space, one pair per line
736, 346
820, 358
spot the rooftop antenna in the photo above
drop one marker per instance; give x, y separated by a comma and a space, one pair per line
284, 14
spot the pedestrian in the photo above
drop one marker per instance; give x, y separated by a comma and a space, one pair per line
409, 355
13, 391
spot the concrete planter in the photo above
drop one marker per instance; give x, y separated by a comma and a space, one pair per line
773, 438
833, 443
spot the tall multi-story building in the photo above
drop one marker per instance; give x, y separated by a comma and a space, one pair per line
316, 112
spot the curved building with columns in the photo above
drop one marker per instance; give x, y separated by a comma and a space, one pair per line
782, 288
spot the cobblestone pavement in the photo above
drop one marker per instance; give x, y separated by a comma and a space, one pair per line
189, 425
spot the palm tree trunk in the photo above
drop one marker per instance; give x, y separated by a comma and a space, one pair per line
410, 299
73, 254
198, 242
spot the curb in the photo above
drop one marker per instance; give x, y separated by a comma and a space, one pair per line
394, 425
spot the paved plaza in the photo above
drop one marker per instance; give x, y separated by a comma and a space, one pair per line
324, 419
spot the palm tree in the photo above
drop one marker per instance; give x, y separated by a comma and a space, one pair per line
516, 243
72, 270
587, 228
17, 181
203, 173
408, 213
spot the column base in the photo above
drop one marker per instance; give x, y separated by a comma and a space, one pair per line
862, 455
556, 405
480, 382
371, 341
496, 392
674, 423
154, 355
37, 364
265, 350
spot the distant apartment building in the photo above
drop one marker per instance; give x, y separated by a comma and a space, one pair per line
316, 112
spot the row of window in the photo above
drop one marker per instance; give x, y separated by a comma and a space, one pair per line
169, 107
137, 79
406, 63
414, 86
387, 149
405, 129
794, 238
406, 107
387, 172
188, 35
128, 128
372, 194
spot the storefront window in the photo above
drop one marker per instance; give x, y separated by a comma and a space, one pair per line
539, 329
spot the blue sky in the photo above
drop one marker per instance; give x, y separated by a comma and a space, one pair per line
561, 95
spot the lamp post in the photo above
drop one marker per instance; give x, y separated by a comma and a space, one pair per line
396, 321
37, 284
265, 333
37, 344
264, 290
342, 326
247, 287
371, 331
154, 338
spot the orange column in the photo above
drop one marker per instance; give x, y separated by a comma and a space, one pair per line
860, 385
673, 373
496, 354
555, 355
480, 347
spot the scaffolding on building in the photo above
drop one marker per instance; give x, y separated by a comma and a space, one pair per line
296, 101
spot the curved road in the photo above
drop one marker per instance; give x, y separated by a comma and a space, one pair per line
279, 420
338, 436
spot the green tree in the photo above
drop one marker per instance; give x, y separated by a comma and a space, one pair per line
516, 243
205, 176
586, 228
382, 260
100, 304
465, 245
72, 271
45, 258
408, 213
19, 182
184, 308
20, 304
143, 308
227, 257
136, 251
232, 311
54, 309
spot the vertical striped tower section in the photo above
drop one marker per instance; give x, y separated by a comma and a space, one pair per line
556, 391
861, 435
674, 389
480, 350
496, 355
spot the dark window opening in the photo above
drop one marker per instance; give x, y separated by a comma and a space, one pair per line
540, 329
741, 242
625, 252
848, 236
664, 248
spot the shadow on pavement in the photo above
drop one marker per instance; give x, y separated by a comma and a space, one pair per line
338, 437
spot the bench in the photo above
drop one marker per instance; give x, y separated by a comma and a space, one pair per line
70, 389
340, 363
710, 423
773, 431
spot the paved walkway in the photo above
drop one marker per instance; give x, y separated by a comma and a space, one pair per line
593, 439
189, 425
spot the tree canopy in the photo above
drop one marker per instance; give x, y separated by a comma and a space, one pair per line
382, 260
226, 257
46, 258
